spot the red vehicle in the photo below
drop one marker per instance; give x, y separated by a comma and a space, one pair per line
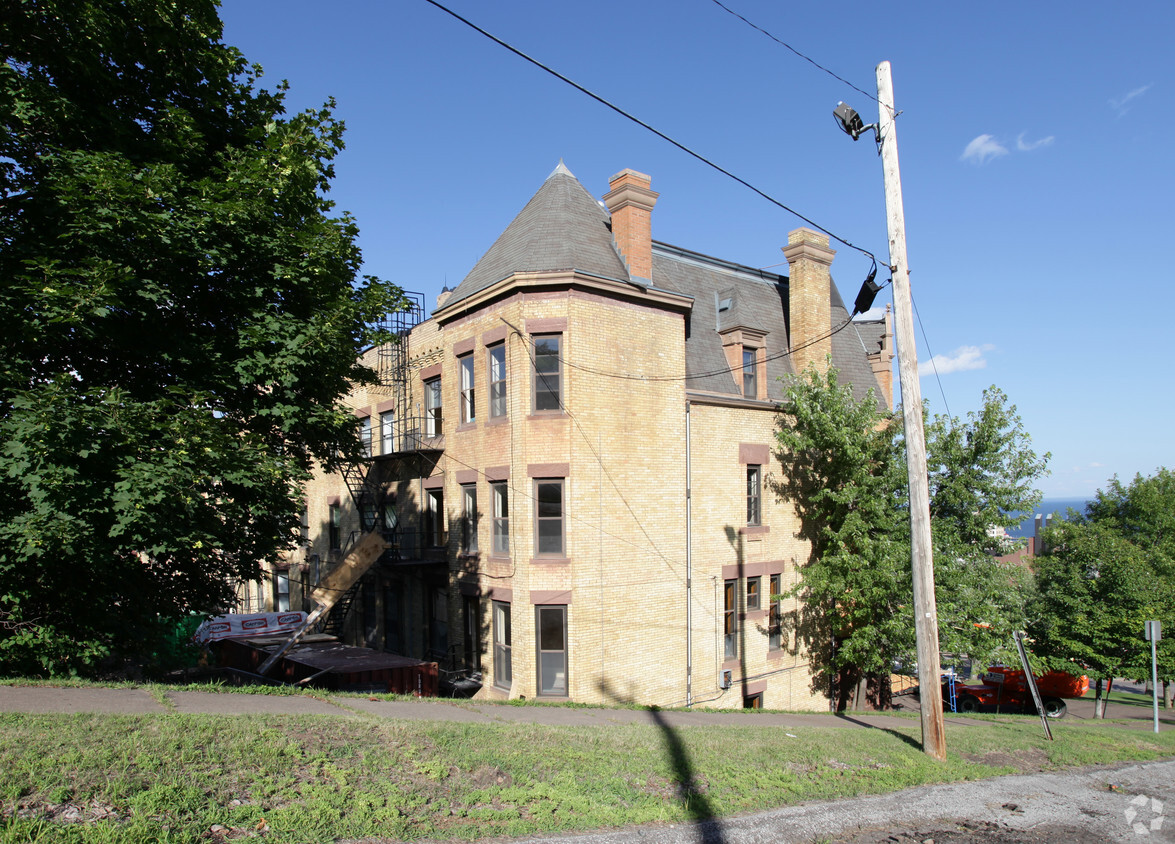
1003, 689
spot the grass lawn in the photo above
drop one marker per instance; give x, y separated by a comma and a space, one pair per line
172, 777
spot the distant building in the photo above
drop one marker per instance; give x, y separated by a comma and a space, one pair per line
570, 462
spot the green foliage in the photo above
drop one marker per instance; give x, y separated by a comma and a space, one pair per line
844, 468
181, 318
1102, 575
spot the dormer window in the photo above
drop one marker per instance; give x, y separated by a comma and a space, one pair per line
750, 373
746, 354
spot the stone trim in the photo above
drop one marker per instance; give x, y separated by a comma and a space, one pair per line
549, 325
492, 338
435, 482
754, 454
467, 476
463, 347
550, 596
497, 473
502, 593
754, 530
430, 372
362, 412
548, 470
385, 406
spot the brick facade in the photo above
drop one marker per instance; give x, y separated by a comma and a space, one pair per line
628, 484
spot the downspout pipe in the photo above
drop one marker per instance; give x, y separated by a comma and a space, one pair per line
689, 568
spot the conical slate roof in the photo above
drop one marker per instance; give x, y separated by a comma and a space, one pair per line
561, 228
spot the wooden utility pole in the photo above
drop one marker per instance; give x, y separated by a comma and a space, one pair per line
925, 611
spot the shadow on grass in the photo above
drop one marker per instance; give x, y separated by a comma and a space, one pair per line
914, 743
690, 790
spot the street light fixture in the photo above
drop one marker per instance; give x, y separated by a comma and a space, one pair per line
851, 122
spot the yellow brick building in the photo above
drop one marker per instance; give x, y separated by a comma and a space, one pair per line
571, 461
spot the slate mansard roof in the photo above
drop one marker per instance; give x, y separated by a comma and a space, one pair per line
564, 228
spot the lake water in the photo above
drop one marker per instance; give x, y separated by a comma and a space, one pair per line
1048, 506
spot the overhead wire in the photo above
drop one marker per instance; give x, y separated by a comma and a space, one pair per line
933, 365
621, 376
652, 129
808, 59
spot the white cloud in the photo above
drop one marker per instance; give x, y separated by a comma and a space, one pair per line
983, 148
1122, 104
1028, 146
962, 359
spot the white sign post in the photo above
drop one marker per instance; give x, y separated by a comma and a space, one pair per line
1154, 633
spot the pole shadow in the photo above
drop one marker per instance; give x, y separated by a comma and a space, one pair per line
914, 743
690, 791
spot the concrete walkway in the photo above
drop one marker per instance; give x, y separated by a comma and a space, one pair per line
44, 699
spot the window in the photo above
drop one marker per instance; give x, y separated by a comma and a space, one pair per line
472, 633
365, 435
387, 432
750, 374
753, 701
754, 597
438, 622
304, 527
730, 618
368, 515
370, 616
501, 529
502, 672
394, 619
433, 416
335, 525
547, 388
549, 518
469, 517
775, 619
468, 402
315, 569
434, 518
552, 649
754, 495
497, 366
281, 591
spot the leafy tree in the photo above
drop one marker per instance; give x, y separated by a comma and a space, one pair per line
181, 317
844, 468
1102, 575
1094, 592
982, 474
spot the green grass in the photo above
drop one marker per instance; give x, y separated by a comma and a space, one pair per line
174, 778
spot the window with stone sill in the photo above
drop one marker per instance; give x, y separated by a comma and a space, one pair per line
548, 385
468, 392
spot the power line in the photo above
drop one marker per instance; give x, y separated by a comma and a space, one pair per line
645, 125
622, 376
933, 366
808, 59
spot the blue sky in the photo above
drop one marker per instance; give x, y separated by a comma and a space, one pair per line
1035, 147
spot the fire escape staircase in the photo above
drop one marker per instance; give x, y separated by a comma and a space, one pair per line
334, 596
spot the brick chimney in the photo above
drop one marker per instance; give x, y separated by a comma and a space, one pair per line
631, 203
809, 298
881, 359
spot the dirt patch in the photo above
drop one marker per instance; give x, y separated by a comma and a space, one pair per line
1024, 761
488, 775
